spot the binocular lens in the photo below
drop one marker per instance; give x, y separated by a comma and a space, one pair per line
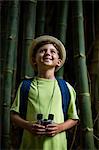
39, 116
50, 117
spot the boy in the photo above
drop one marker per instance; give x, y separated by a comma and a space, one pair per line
46, 55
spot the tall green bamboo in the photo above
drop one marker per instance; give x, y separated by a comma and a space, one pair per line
61, 26
93, 19
94, 76
0, 82
14, 75
81, 77
3, 19
40, 17
3, 23
29, 17
10, 43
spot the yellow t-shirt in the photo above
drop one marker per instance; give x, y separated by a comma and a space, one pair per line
45, 97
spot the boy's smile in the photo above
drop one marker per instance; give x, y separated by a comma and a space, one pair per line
47, 56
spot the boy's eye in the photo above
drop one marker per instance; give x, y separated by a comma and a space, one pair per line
53, 51
45, 50
41, 50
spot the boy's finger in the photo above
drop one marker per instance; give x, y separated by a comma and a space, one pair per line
38, 126
52, 125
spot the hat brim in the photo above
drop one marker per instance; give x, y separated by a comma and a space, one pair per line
43, 38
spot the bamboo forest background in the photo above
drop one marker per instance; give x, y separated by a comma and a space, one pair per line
76, 24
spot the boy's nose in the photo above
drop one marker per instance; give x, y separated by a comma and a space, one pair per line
47, 52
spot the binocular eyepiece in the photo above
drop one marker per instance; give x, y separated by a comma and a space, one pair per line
45, 122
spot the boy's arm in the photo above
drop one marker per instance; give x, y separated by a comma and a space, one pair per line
16, 119
27, 125
53, 129
68, 124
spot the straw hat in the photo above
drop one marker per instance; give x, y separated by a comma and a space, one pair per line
52, 39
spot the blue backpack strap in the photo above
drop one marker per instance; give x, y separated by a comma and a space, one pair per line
24, 90
65, 96
25, 87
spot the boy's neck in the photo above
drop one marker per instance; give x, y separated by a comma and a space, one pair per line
49, 74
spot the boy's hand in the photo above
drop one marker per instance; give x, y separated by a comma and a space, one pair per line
53, 129
36, 129
50, 129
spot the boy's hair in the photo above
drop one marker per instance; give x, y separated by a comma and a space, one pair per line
44, 43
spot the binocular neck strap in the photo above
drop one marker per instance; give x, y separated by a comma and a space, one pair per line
50, 100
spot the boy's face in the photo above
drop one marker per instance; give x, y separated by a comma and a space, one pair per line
47, 57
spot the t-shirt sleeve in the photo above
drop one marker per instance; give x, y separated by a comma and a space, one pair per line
72, 111
16, 102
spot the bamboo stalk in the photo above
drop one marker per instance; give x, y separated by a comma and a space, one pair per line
3, 15
28, 35
15, 62
0, 83
3, 31
14, 75
81, 77
61, 26
12, 29
93, 20
40, 18
94, 75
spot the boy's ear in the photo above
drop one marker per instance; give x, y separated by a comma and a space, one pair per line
59, 62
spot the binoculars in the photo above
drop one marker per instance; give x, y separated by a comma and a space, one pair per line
45, 122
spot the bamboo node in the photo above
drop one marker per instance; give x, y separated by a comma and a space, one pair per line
79, 55
5, 105
84, 94
11, 37
8, 70
87, 129
34, 1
